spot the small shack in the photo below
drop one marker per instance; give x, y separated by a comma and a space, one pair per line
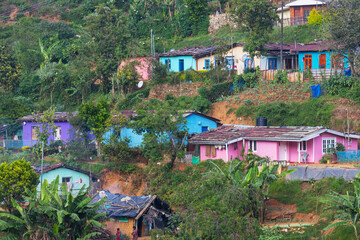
143, 212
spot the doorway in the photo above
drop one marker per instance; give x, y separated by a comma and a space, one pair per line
282, 151
181, 65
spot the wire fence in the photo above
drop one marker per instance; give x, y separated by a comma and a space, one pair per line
348, 156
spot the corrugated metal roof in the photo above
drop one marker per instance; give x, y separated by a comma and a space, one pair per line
227, 133
50, 167
58, 117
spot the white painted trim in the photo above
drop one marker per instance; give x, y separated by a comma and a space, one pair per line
235, 140
227, 153
322, 143
299, 143
357, 136
314, 150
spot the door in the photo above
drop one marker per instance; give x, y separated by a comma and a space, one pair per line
283, 151
307, 62
181, 65
272, 64
322, 61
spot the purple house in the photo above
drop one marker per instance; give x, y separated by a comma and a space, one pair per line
290, 144
62, 133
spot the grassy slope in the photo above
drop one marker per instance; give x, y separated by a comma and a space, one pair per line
303, 33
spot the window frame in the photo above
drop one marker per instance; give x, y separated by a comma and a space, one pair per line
207, 64
62, 179
303, 146
253, 145
327, 139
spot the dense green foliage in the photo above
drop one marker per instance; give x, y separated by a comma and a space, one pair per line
313, 112
14, 179
342, 86
53, 215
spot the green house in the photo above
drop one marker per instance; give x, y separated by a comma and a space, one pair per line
75, 178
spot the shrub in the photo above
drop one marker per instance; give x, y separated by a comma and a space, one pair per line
201, 104
285, 191
281, 76
218, 90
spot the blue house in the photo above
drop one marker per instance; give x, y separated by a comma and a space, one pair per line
75, 178
183, 59
318, 56
196, 123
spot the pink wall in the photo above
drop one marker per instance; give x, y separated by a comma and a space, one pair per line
221, 153
271, 149
143, 69
265, 149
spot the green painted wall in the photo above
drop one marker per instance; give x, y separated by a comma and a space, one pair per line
63, 173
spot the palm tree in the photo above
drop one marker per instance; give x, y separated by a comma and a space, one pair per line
53, 216
348, 205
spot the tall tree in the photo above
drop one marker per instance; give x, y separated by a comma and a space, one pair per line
95, 116
111, 40
342, 28
10, 70
165, 125
256, 18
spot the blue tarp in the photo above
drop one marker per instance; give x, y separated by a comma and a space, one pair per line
316, 173
316, 90
348, 72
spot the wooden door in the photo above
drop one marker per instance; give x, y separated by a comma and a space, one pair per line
308, 62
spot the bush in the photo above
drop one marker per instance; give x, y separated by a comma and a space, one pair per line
281, 76
285, 191
218, 90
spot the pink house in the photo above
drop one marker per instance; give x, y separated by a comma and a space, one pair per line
143, 68
291, 144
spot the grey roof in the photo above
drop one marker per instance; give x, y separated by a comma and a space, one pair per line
58, 117
49, 167
119, 205
227, 134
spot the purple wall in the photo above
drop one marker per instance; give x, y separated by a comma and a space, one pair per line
66, 132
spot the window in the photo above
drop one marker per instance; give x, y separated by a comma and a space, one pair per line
252, 146
322, 61
248, 63
328, 144
217, 61
229, 62
210, 151
204, 129
272, 64
288, 63
57, 134
207, 64
308, 62
306, 13
303, 146
168, 63
337, 61
34, 134
235, 146
66, 179
123, 219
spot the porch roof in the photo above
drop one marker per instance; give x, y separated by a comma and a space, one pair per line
228, 134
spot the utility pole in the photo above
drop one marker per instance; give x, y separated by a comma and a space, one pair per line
282, 34
42, 166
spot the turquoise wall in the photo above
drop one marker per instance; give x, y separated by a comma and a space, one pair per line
189, 62
64, 172
196, 122
315, 60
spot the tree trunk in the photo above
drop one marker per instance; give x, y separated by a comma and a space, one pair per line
172, 158
97, 146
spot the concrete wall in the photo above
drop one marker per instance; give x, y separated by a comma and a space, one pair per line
315, 60
271, 149
66, 132
196, 122
64, 172
237, 52
143, 68
189, 62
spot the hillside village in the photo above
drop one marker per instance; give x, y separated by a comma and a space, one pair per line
185, 119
